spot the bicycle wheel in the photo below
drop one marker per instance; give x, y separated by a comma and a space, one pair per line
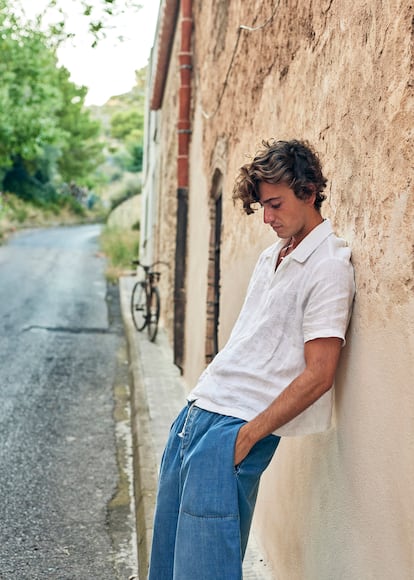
153, 314
139, 306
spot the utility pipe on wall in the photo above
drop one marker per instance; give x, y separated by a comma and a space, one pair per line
184, 134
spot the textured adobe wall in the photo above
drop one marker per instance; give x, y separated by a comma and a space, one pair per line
198, 240
341, 75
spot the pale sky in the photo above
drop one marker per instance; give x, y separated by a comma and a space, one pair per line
108, 69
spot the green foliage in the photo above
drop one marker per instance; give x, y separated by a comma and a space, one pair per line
98, 15
136, 151
81, 152
127, 123
73, 205
29, 95
27, 187
51, 146
21, 214
16, 213
128, 127
46, 134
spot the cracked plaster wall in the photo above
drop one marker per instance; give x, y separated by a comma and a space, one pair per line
336, 506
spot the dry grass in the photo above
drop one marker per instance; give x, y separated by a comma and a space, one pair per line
16, 214
120, 246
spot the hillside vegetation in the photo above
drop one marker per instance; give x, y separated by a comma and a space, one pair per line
60, 161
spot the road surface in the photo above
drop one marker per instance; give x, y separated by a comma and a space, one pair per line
65, 485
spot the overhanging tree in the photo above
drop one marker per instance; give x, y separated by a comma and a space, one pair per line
81, 151
44, 129
98, 14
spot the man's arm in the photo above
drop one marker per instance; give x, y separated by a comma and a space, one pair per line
321, 358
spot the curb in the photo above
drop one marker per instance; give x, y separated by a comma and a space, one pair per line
145, 470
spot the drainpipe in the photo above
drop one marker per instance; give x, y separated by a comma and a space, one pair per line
184, 134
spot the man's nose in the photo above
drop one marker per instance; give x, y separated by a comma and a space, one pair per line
267, 215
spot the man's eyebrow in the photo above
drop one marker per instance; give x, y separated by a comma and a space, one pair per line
277, 198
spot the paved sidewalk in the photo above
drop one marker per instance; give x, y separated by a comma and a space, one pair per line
158, 394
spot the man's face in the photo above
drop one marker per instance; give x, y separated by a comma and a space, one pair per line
287, 214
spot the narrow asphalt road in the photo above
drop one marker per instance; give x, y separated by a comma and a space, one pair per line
65, 485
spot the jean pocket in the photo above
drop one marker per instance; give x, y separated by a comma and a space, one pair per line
259, 457
208, 482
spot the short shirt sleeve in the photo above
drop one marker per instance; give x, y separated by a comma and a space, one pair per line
329, 300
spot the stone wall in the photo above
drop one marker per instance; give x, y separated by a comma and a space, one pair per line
127, 214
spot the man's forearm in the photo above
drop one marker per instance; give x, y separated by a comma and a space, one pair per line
295, 399
308, 387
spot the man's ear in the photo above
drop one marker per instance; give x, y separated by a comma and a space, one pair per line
310, 190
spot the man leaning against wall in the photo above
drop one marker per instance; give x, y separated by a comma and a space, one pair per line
273, 378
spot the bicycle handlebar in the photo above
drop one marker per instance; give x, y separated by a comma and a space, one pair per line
150, 266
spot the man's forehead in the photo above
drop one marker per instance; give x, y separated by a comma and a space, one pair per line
272, 191
264, 199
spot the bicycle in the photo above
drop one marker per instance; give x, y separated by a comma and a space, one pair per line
145, 300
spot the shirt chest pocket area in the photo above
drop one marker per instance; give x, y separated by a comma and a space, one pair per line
284, 307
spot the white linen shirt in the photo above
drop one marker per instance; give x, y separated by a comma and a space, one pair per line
309, 296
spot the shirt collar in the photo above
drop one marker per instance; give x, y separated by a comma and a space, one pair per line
302, 252
312, 241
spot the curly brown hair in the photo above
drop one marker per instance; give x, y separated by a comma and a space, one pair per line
294, 163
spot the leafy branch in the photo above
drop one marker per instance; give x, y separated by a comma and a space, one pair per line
99, 16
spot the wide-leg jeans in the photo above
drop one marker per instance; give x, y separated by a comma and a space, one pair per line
205, 504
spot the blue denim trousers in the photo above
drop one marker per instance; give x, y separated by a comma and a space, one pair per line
205, 503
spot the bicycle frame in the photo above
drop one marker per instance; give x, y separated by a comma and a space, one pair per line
145, 300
